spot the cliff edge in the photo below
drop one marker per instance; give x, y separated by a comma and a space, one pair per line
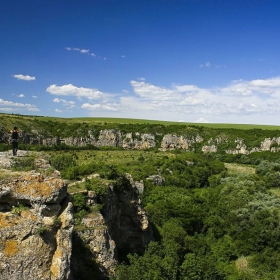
36, 224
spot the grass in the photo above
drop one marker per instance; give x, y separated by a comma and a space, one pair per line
9, 120
76, 187
116, 157
237, 169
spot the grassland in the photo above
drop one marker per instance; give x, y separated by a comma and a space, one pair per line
237, 169
10, 120
127, 158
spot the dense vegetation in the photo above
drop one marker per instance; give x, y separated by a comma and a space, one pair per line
209, 220
216, 217
226, 229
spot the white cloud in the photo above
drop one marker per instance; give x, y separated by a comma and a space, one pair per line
21, 95
201, 120
71, 90
17, 105
7, 109
239, 101
34, 96
207, 64
152, 92
89, 106
77, 49
83, 51
24, 77
238, 98
68, 104
58, 111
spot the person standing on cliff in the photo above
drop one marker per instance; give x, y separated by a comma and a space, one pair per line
14, 140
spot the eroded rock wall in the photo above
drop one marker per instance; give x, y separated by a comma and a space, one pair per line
117, 138
120, 227
36, 224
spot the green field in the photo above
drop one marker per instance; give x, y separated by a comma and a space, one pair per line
9, 120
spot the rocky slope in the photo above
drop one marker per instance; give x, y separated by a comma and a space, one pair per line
36, 224
188, 141
38, 238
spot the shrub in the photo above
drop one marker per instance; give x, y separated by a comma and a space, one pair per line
18, 209
63, 161
23, 164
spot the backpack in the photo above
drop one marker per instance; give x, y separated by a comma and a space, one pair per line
14, 135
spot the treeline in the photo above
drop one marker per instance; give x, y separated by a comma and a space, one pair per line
223, 137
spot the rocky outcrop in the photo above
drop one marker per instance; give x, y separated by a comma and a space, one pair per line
106, 138
36, 224
120, 227
172, 141
188, 141
127, 221
38, 240
240, 148
269, 144
146, 141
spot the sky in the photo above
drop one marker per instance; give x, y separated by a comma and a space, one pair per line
215, 61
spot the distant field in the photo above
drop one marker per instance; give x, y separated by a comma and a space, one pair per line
237, 169
10, 119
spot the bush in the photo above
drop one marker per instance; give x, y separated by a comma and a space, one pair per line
23, 164
63, 161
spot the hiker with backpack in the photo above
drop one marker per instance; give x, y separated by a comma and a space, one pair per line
14, 140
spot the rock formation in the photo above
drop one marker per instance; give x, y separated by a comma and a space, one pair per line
36, 224
188, 141
121, 227
38, 239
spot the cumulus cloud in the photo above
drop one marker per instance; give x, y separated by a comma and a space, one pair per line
149, 91
71, 90
21, 95
68, 104
58, 111
17, 105
24, 77
201, 120
97, 106
238, 98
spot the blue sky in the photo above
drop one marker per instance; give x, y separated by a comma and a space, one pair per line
178, 60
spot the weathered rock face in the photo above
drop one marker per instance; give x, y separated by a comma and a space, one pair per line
171, 142
126, 219
106, 138
36, 224
147, 141
117, 138
122, 226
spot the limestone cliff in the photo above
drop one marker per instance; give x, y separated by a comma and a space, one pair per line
188, 141
37, 233
36, 224
122, 226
